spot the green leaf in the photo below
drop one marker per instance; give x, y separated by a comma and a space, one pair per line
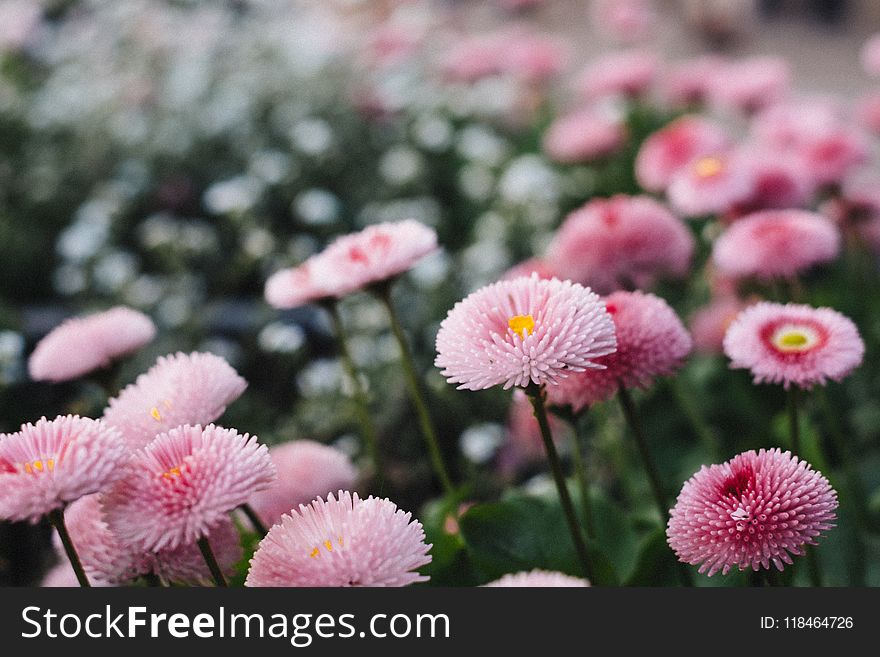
656, 564
450, 562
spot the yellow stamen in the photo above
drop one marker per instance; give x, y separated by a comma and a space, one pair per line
793, 340
171, 474
706, 167
154, 412
28, 468
315, 553
522, 324
329, 546
340, 542
50, 463
38, 465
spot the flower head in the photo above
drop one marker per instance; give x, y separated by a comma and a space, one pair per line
181, 485
709, 324
619, 74
714, 183
756, 509
523, 331
296, 286
83, 344
538, 578
46, 465
343, 541
179, 389
750, 84
793, 344
583, 136
690, 82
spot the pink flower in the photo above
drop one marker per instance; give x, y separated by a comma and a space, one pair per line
527, 330
528, 267
868, 111
619, 74
754, 510
779, 180
296, 286
776, 243
83, 344
712, 184
181, 485
471, 58
46, 465
538, 578
583, 136
179, 389
690, 83
793, 344
620, 242
870, 56
675, 147
709, 324
751, 84
533, 58
625, 21
306, 470
651, 342
62, 576
345, 541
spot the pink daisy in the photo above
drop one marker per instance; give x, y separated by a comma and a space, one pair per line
619, 242
712, 184
527, 330
583, 136
689, 83
756, 509
528, 267
870, 56
345, 541
750, 84
619, 74
296, 286
181, 485
676, 146
306, 470
83, 344
776, 243
651, 342
538, 579
779, 180
533, 58
179, 389
45, 466
709, 324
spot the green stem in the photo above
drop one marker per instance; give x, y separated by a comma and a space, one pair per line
794, 428
813, 566
536, 396
635, 427
254, 519
580, 470
692, 413
416, 393
56, 517
213, 566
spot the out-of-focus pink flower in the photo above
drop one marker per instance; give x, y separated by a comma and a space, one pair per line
868, 111
625, 21
793, 344
473, 58
296, 286
45, 466
526, 268
63, 576
345, 541
583, 136
857, 208
619, 74
528, 330
83, 344
619, 242
689, 83
651, 342
776, 243
757, 509
185, 482
306, 470
870, 56
751, 84
533, 58
538, 579
711, 185
179, 389
524, 443
676, 146
709, 324
394, 42
779, 180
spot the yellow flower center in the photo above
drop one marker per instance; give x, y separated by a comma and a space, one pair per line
706, 167
171, 474
328, 545
522, 324
794, 339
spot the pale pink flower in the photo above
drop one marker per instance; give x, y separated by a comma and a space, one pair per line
751, 84
757, 509
689, 83
779, 180
776, 243
533, 58
628, 74
179, 389
83, 344
709, 323
675, 147
45, 466
711, 185
538, 579
620, 242
181, 485
793, 344
472, 58
583, 136
306, 470
528, 330
651, 342
870, 56
625, 21
62, 576
527, 268
343, 541
296, 286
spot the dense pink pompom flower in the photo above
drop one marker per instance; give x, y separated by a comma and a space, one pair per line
83, 344
306, 470
343, 541
651, 342
755, 510
619, 74
676, 146
583, 136
527, 330
712, 184
870, 56
751, 84
776, 243
177, 488
46, 465
537, 579
793, 344
620, 242
179, 389
709, 324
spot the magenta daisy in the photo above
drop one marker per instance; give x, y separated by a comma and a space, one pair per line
619, 242
651, 342
776, 243
179, 389
793, 344
538, 579
343, 541
527, 330
46, 465
757, 509
306, 470
83, 344
183, 483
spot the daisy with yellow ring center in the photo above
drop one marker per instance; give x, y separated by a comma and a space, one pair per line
792, 338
